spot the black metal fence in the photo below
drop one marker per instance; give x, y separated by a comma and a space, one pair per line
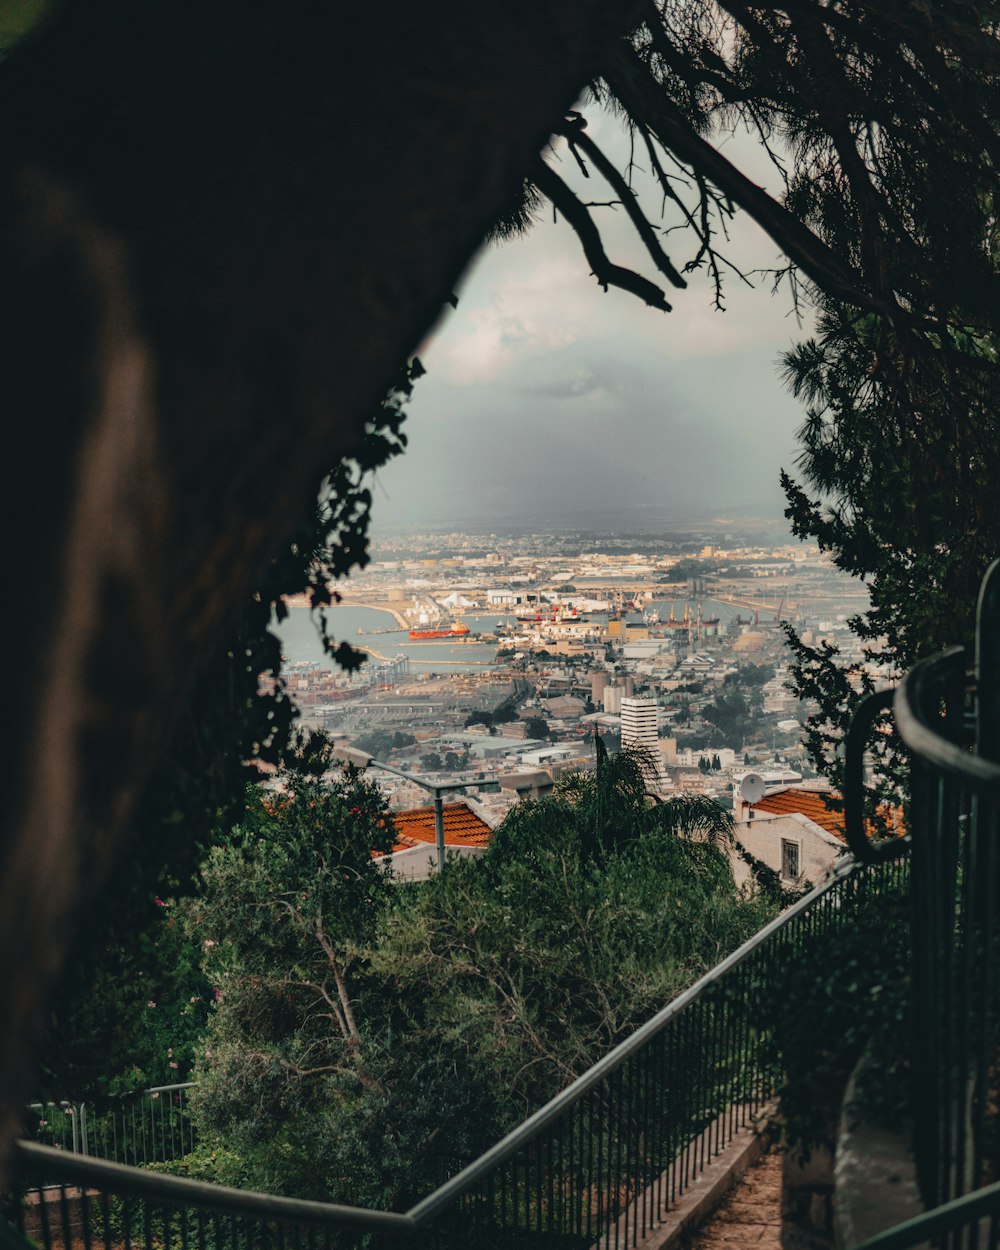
952, 727
600, 1165
947, 712
150, 1126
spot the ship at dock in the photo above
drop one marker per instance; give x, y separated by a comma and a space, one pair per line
457, 630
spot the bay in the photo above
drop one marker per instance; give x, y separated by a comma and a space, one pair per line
378, 632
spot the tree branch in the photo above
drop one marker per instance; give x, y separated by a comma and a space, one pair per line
576, 133
630, 80
350, 1026
606, 273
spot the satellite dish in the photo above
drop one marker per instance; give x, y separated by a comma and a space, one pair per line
752, 788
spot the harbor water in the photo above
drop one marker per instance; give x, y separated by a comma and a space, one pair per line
378, 632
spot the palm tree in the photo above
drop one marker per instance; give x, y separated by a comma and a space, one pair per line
613, 805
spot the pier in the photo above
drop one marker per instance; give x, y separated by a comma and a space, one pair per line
347, 602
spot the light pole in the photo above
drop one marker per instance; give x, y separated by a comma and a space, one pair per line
362, 760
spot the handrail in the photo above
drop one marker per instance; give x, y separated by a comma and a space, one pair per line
861, 846
988, 663
959, 1213
947, 712
979, 774
138, 1127
85, 1170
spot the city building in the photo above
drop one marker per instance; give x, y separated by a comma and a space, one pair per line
467, 831
639, 719
639, 722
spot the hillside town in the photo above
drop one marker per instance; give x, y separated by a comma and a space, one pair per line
677, 647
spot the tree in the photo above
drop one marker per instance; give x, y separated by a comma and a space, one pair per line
612, 806
536, 727
198, 790
475, 996
902, 474
228, 286
732, 714
288, 907
378, 743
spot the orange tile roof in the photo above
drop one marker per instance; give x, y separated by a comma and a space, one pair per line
462, 827
809, 803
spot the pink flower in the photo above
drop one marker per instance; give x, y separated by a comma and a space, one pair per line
172, 1064
159, 902
217, 994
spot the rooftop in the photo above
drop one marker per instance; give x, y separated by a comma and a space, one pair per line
462, 827
812, 804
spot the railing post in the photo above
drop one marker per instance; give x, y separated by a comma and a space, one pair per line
439, 828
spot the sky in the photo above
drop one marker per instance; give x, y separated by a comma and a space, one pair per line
549, 403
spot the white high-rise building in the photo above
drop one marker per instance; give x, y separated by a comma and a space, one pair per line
639, 722
639, 726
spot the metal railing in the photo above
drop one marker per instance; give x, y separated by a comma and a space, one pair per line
949, 719
952, 730
600, 1165
150, 1126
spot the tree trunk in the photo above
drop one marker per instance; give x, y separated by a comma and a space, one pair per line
224, 227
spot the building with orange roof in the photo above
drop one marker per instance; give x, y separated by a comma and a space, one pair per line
467, 831
796, 830
808, 802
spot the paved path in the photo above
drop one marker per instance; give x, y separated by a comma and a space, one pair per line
750, 1216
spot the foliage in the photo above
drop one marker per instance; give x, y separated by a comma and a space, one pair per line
505, 710
288, 908
474, 996
380, 743
735, 715
844, 995
137, 1020
607, 809
687, 568
536, 727
902, 474
750, 675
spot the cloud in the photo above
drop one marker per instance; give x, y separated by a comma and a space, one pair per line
546, 397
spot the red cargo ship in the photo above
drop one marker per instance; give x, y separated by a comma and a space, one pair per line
458, 630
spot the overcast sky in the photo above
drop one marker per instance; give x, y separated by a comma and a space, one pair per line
549, 402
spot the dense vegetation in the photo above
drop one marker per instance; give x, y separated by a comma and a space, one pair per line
370, 1038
